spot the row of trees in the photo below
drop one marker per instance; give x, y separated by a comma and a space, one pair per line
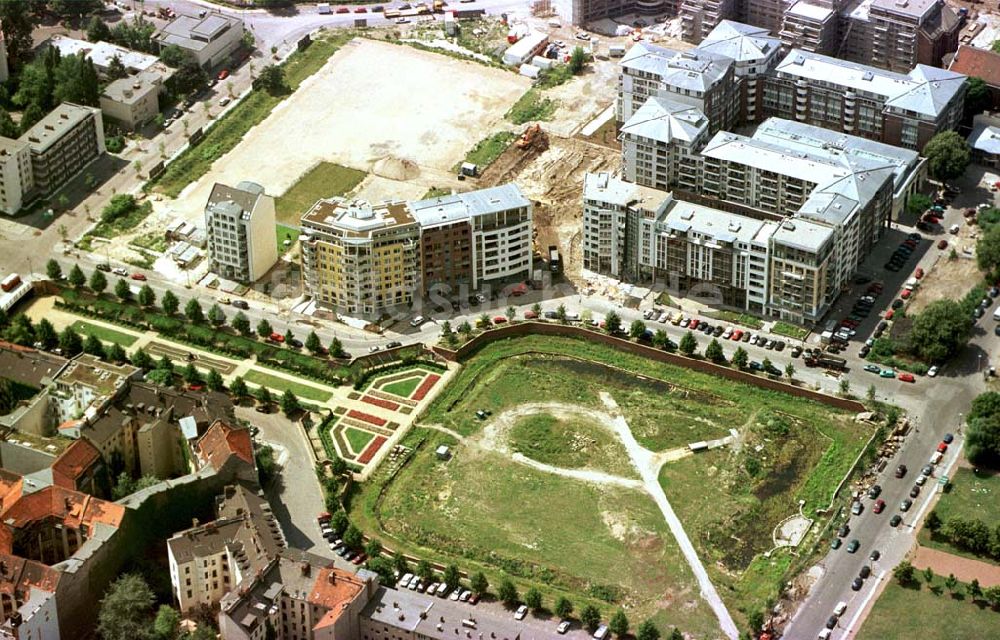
906, 574
969, 534
128, 612
982, 438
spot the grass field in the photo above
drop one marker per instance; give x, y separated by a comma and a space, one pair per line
744, 319
532, 106
475, 506
283, 233
358, 439
488, 149
278, 383
325, 180
915, 611
789, 330
104, 334
572, 442
403, 388
971, 496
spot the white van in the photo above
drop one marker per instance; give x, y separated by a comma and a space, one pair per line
824, 634
602, 632
936, 458
996, 314
840, 609
404, 582
416, 322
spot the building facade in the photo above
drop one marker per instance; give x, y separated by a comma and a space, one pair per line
240, 225
16, 177
208, 41
133, 102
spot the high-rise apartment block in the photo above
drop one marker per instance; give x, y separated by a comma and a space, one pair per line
239, 222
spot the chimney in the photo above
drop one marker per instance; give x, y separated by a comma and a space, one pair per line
332, 578
68, 503
194, 522
305, 568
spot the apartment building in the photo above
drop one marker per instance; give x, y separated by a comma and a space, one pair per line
208, 41
16, 178
699, 17
580, 12
240, 223
755, 54
900, 110
478, 239
985, 139
360, 259
661, 141
298, 596
702, 79
811, 26
87, 385
899, 34
208, 561
134, 101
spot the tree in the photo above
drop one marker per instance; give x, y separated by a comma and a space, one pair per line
239, 388
352, 537
373, 548
511, 313
950, 583
46, 334
141, 359
688, 344
191, 374
789, 370
193, 311
263, 395
676, 634
590, 616
452, 577
982, 440
214, 380
993, 595
94, 346
216, 315
975, 591
339, 522
977, 98
241, 323
947, 155
561, 313
479, 583
8, 128
903, 573
465, 329
264, 328
612, 323
928, 575
76, 277
741, 358
122, 290
507, 592
98, 283
636, 329
272, 80
167, 624
289, 402
313, 344
647, 631
53, 270
870, 394
533, 599
988, 251
126, 609
147, 297
933, 521
336, 348
70, 342
165, 363
399, 563
448, 335
661, 339
289, 337
381, 566
714, 351
536, 309
425, 570
18, 23
917, 204
844, 386
577, 59
618, 624
173, 56
169, 303
563, 607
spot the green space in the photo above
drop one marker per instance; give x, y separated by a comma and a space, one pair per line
571, 442
227, 131
278, 383
488, 149
482, 509
593, 543
736, 317
783, 328
122, 214
283, 233
929, 612
358, 439
972, 497
531, 107
403, 388
325, 180
154, 241
104, 334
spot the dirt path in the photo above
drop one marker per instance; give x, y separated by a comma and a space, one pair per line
965, 569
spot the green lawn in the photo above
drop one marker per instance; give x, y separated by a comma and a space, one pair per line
902, 613
532, 106
358, 439
789, 330
226, 132
971, 496
403, 388
104, 334
488, 149
736, 317
277, 383
571, 442
325, 180
283, 233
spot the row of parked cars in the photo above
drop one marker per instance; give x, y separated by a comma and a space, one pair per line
439, 589
336, 544
903, 252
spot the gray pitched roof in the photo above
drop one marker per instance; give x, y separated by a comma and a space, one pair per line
666, 120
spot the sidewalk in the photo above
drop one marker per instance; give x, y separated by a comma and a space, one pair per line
965, 569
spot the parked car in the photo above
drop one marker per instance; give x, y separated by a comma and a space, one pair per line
835, 544
879, 506
521, 612
905, 505
873, 368
223, 74
865, 572
843, 531
853, 546
948, 438
901, 471
942, 447
120, 271
563, 627
933, 371
896, 519
915, 490
907, 377
874, 555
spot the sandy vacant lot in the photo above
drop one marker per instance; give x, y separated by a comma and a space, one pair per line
371, 106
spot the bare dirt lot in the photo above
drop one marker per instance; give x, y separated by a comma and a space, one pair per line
940, 281
390, 110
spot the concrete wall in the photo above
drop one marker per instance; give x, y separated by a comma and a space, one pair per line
34, 417
263, 247
23, 460
704, 366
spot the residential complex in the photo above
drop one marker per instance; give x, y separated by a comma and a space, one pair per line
207, 41
48, 154
366, 260
240, 225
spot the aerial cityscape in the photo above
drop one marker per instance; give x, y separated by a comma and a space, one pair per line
499, 319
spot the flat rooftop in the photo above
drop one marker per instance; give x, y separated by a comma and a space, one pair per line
721, 226
907, 8
56, 124
462, 206
802, 234
194, 34
102, 376
357, 218
810, 11
102, 53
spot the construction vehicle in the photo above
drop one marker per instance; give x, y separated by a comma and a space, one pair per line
826, 361
439, 6
528, 137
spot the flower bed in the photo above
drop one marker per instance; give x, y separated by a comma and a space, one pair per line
371, 450
378, 402
425, 386
366, 417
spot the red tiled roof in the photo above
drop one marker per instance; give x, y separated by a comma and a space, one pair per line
73, 463
222, 441
72, 507
17, 575
978, 63
11, 485
334, 590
